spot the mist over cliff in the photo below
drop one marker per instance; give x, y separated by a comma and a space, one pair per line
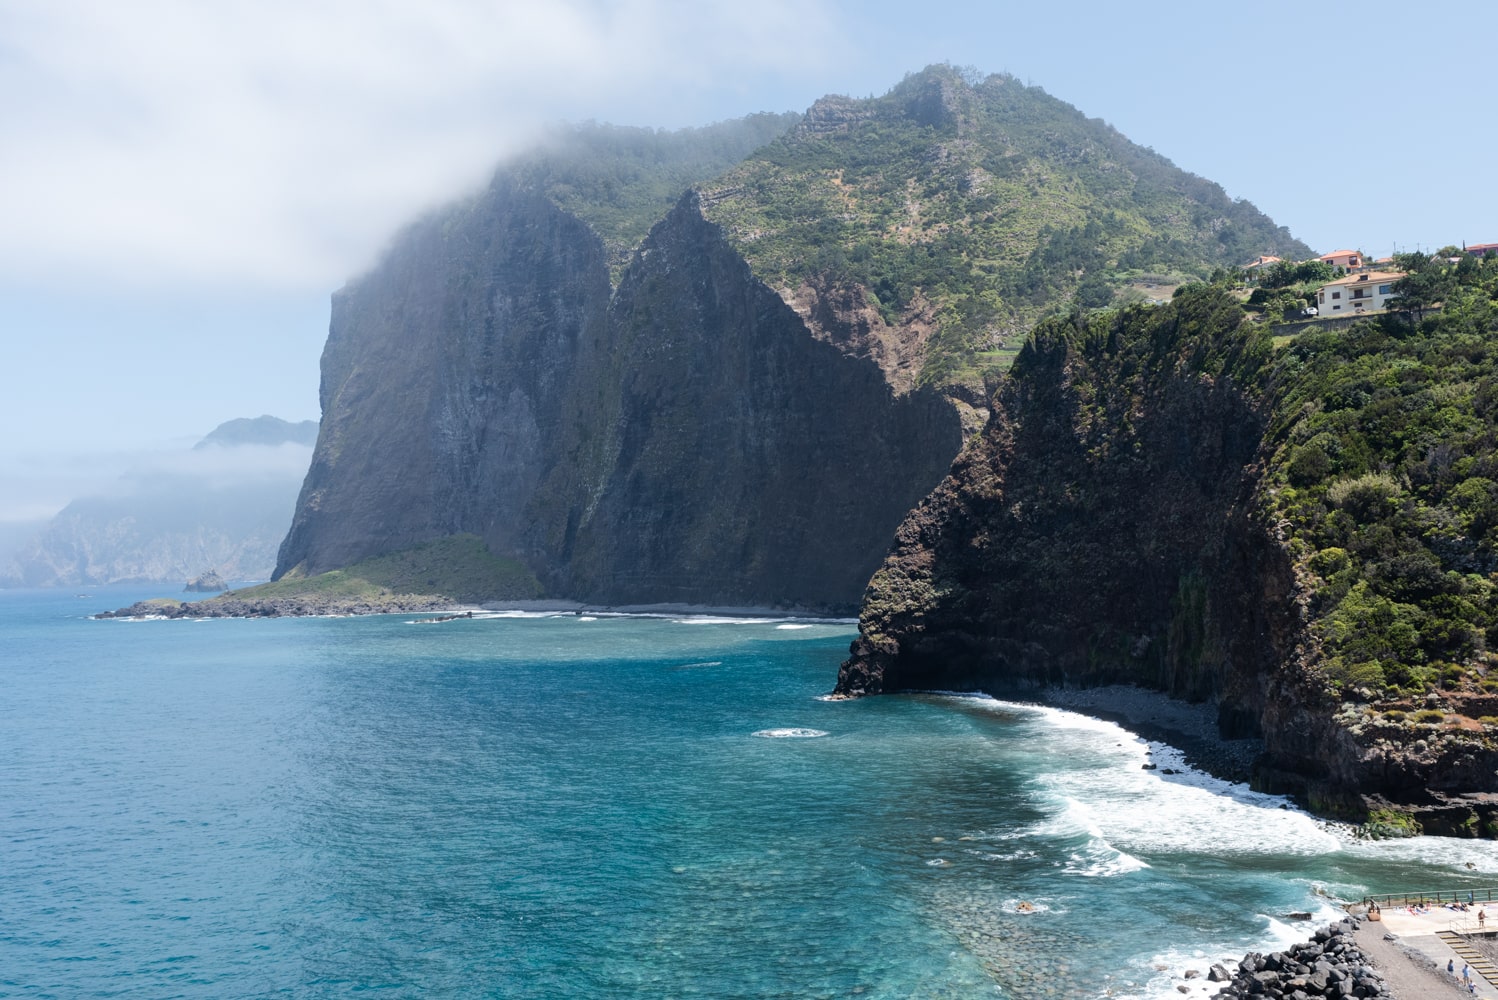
223, 505
731, 396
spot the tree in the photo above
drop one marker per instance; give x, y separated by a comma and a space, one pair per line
1425, 286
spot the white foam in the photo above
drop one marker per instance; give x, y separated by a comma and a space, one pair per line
1468, 857
586, 618
790, 734
793, 625
712, 620
1139, 811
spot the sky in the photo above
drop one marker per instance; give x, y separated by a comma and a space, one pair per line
183, 184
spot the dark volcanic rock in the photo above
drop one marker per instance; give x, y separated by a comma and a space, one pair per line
1348, 975
683, 439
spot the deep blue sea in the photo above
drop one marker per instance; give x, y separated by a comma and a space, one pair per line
594, 806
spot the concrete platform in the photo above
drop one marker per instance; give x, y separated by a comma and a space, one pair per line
1442, 935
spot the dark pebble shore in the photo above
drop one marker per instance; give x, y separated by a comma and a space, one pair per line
1190, 728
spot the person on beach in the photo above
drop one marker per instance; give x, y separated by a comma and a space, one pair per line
1451, 966
1482, 918
1466, 973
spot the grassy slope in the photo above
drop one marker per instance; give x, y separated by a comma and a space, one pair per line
990, 200
458, 568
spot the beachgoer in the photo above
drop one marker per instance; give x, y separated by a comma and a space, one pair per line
1482, 917
1466, 973
1451, 966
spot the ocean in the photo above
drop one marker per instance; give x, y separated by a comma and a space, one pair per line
600, 806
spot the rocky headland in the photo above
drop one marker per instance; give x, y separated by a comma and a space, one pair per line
1124, 519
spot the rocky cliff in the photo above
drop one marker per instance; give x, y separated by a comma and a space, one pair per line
680, 439
1119, 521
736, 399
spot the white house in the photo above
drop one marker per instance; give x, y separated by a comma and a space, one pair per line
1356, 293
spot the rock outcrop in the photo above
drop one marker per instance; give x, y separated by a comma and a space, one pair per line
207, 583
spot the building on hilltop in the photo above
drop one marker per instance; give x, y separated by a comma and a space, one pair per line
1357, 293
1481, 249
1345, 259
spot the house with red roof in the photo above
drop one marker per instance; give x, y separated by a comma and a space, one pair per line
1345, 259
1481, 249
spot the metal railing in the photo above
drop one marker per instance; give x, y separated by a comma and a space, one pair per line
1435, 897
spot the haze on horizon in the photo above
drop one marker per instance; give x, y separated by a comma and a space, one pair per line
184, 185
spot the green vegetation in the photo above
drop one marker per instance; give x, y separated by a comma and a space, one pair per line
1390, 824
1386, 471
621, 181
979, 204
459, 568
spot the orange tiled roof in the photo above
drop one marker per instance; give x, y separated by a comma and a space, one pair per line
1370, 278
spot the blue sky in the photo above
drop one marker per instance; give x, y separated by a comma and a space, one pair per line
184, 184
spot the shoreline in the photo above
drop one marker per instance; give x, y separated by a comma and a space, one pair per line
1159, 718
316, 606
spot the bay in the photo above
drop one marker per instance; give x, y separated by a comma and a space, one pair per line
560, 806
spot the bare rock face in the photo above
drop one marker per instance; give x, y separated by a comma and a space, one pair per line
684, 438
447, 372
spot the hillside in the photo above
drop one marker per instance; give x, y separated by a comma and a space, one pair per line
648, 403
1301, 536
942, 219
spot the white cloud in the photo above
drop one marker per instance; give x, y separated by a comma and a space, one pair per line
278, 143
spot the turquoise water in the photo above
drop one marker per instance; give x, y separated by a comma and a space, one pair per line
565, 807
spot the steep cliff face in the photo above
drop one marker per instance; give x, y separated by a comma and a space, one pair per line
1112, 525
751, 461
1098, 530
683, 439
446, 380
741, 405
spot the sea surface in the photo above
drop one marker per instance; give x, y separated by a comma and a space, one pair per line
596, 806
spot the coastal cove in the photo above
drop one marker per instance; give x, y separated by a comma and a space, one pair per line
572, 804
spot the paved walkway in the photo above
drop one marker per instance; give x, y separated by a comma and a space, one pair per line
1440, 936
